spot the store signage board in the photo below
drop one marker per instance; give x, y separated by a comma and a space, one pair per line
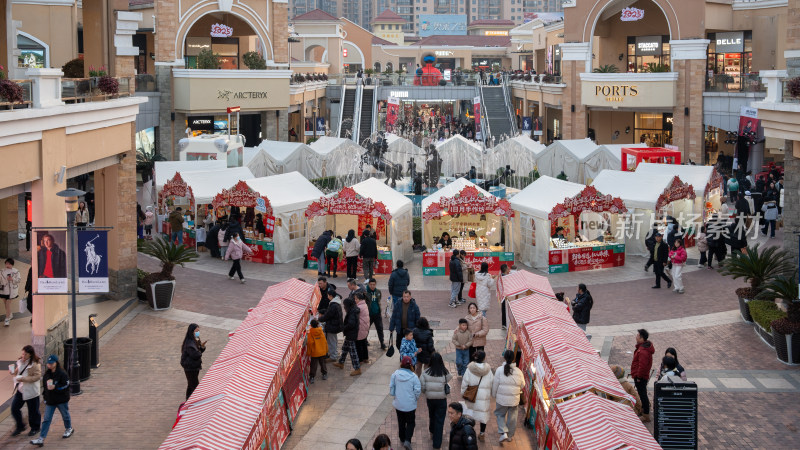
447, 24
631, 14
495, 33
398, 94
639, 94
221, 30
648, 45
730, 42
444, 53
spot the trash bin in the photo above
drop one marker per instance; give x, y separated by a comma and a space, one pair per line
84, 357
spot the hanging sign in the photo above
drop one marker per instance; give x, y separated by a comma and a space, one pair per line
588, 200
631, 14
347, 201
392, 111
476, 102
51, 261
469, 201
731, 42
220, 30
93, 261
677, 190
527, 125
243, 196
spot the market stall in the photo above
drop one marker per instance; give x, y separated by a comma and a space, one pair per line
707, 183
589, 221
277, 157
658, 155
521, 284
338, 157
370, 202
590, 422
251, 394
580, 160
616, 153
165, 170
194, 192
243, 196
474, 219
523, 154
650, 198
459, 154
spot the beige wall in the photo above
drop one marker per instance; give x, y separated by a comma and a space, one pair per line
54, 25
15, 174
605, 123
686, 17
628, 94
198, 95
360, 38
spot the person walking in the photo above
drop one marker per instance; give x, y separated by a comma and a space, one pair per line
398, 283
733, 188
484, 285
148, 222
462, 429
27, 377
362, 347
423, 336
236, 251
351, 248
465, 268
334, 322
406, 388
221, 242
619, 372
56, 396
479, 374
640, 369
582, 307
770, 210
678, 258
368, 253
82, 215
175, 220
702, 246
192, 357
382, 442
350, 330
456, 278
716, 232
404, 317
317, 350
374, 308
9, 287
435, 385
659, 257
332, 253
318, 251
506, 389
462, 341
479, 327
649, 241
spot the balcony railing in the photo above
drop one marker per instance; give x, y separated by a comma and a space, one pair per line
78, 90
27, 96
146, 82
786, 96
726, 83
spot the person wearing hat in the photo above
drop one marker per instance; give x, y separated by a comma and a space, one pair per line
406, 388
56, 396
619, 372
659, 257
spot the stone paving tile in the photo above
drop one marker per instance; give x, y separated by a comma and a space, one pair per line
736, 383
774, 383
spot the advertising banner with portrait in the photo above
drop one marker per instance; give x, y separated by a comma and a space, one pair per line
476, 105
51, 262
392, 111
93, 261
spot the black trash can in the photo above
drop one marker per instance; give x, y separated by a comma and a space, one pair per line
84, 357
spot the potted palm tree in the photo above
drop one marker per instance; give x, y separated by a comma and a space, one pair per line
160, 286
785, 331
756, 267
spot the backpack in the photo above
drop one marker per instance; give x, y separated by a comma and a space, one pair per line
334, 245
733, 185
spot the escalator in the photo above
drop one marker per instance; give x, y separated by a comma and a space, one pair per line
348, 109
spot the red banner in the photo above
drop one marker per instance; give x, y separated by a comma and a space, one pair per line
469, 201
476, 110
178, 188
241, 195
260, 254
588, 200
579, 259
432, 259
347, 201
677, 190
278, 427
392, 111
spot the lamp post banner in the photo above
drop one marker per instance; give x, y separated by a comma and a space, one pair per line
51, 262
92, 261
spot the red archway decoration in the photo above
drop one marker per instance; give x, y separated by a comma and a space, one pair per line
715, 182
589, 199
348, 201
469, 201
677, 190
241, 195
176, 187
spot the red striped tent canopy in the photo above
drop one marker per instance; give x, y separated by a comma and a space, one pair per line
520, 282
551, 332
536, 307
594, 423
295, 291
577, 371
222, 422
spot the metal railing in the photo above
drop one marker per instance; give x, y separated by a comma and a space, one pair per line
83, 89
750, 82
541, 79
406, 79
509, 108
27, 96
356, 114
146, 82
786, 95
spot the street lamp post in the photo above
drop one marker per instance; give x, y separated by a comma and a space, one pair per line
71, 201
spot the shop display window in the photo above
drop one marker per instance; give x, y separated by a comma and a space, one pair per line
730, 60
653, 129
645, 52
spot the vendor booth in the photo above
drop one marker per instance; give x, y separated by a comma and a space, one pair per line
522, 284
476, 222
590, 422
616, 153
658, 155
459, 154
276, 157
649, 198
588, 219
339, 157
243, 196
370, 202
251, 394
523, 154
707, 183
580, 160
194, 192
165, 170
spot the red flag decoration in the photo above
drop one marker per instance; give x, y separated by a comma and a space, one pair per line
269, 225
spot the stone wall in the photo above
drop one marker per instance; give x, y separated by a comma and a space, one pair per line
164, 143
281, 123
687, 131
54, 341
791, 200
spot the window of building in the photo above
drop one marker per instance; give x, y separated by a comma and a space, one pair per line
296, 229
513, 10
383, 27
655, 129
424, 8
32, 54
730, 60
646, 51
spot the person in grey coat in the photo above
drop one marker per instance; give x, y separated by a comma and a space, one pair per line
435, 386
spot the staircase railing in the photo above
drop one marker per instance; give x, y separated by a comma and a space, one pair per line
356, 114
374, 110
509, 104
341, 111
486, 131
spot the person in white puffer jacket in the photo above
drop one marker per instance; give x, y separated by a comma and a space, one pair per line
479, 373
506, 389
9, 287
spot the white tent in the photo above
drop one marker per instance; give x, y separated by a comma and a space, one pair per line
616, 152
531, 224
640, 194
523, 154
206, 185
276, 157
339, 156
289, 194
458, 154
401, 150
704, 179
165, 170
248, 154
579, 159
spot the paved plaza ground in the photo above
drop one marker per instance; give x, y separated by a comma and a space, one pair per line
748, 398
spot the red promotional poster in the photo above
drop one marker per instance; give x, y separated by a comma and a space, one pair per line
539, 423
278, 425
295, 392
262, 252
748, 121
476, 104
392, 111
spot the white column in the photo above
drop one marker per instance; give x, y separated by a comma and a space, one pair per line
772, 79
46, 87
577, 51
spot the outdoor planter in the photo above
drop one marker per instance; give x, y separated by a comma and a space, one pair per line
160, 294
745, 310
787, 346
767, 336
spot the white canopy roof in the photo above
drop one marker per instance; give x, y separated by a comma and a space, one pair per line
580, 148
539, 198
373, 188
339, 156
637, 190
286, 192
522, 153
697, 176
578, 159
401, 150
616, 152
206, 185
451, 190
276, 157
248, 154
458, 154
165, 170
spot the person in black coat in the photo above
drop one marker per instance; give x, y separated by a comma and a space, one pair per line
56, 396
462, 431
582, 307
737, 236
456, 278
332, 320
319, 250
368, 253
234, 226
423, 337
192, 357
398, 282
649, 242
659, 257
212, 240
350, 329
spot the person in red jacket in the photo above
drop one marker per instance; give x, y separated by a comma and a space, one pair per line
640, 369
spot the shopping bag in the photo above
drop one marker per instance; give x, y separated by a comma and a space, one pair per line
390, 352
472, 288
23, 305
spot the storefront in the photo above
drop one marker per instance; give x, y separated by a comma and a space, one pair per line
730, 58
653, 129
473, 220
486, 63
226, 47
647, 51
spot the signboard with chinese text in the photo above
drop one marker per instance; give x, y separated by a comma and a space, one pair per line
92, 261
442, 24
586, 258
437, 263
347, 201
476, 110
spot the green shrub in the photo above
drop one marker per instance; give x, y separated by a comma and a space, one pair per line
325, 183
207, 60
73, 68
254, 61
764, 312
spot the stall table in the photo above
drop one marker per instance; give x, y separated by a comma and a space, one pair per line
263, 250
437, 263
594, 255
383, 264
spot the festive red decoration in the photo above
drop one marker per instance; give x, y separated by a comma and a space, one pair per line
677, 190
348, 201
469, 201
589, 199
715, 182
176, 187
241, 195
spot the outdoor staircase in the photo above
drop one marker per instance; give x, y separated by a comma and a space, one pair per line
365, 122
497, 112
348, 109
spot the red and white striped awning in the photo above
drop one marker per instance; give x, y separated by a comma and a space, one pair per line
579, 370
536, 307
551, 333
593, 423
295, 291
246, 378
215, 424
521, 281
